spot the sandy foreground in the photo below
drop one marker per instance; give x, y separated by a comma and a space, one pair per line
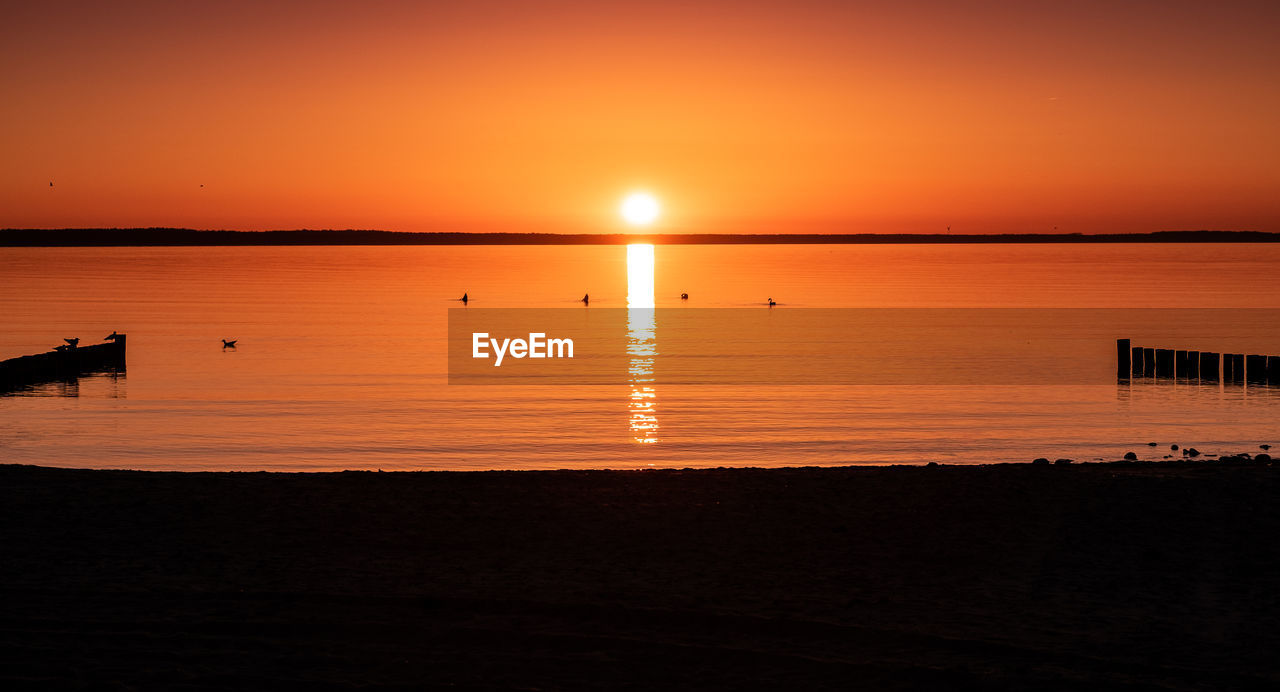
1146, 576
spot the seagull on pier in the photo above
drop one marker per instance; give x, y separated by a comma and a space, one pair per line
229, 344
72, 343
112, 337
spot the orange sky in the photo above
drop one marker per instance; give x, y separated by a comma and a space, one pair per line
741, 116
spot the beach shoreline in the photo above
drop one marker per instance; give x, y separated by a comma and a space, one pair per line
1009, 576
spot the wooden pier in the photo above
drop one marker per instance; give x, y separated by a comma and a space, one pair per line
63, 364
1134, 362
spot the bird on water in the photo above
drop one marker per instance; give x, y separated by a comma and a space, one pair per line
586, 298
229, 344
463, 299
684, 296
771, 302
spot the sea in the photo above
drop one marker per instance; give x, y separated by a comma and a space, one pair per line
341, 357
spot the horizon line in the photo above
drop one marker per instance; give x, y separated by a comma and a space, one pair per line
167, 236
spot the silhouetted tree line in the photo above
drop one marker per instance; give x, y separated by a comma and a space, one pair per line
108, 237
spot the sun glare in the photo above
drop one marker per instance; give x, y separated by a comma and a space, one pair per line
639, 276
640, 209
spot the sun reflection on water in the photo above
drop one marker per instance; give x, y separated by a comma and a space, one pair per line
641, 344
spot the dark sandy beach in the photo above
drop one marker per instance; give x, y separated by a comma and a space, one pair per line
1145, 576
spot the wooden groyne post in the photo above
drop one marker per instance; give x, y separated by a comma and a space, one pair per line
1209, 366
1255, 368
1123, 359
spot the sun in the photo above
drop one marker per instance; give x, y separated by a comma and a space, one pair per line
640, 209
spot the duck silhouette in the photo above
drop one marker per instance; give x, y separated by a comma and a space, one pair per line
463, 299
586, 298
73, 342
684, 296
229, 344
771, 302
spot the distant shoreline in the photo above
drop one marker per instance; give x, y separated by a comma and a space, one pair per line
184, 237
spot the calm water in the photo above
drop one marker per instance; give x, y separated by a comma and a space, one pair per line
342, 358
